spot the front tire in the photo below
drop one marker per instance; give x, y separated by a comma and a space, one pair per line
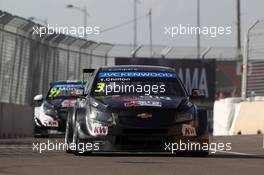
202, 123
76, 141
79, 143
39, 132
69, 130
201, 138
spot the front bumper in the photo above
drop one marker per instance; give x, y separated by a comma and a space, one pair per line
138, 139
51, 125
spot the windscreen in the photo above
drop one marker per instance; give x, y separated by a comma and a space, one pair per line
110, 83
65, 90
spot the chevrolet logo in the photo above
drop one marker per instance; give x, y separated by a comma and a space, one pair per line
144, 115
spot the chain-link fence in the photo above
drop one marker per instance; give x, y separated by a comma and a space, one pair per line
253, 62
28, 63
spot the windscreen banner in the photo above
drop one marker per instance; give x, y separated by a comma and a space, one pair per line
194, 73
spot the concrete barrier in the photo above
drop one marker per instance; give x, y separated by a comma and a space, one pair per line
224, 112
15, 121
250, 118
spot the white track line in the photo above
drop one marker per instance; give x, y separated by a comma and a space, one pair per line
237, 153
15, 147
263, 142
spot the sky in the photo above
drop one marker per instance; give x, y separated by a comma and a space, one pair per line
108, 13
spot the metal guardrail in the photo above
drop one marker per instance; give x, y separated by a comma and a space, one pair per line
253, 61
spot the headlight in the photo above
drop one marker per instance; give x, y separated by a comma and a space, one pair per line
98, 121
45, 117
100, 116
184, 117
49, 110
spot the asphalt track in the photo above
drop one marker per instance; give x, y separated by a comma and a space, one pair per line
246, 157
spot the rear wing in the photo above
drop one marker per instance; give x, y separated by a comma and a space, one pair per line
88, 71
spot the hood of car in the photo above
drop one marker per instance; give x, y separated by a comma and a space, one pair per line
60, 103
131, 102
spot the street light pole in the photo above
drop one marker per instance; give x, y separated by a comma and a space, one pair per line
85, 14
198, 34
150, 31
85, 21
135, 24
238, 24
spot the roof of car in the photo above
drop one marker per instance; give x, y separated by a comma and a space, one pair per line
67, 82
136, 68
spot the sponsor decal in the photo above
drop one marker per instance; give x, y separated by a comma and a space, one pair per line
143, 103
129, 97
123, 69
159, 97
54, 92
76, 92
132, 104
188, 130
95, 104
51, 123
132, 97
68, 103
137, 74
114, 79
67, 86
100, 87
100, 130
144, 115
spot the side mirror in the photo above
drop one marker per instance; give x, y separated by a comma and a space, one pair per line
38, 97
198, 94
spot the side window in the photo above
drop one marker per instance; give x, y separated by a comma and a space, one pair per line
86, 87
90, 82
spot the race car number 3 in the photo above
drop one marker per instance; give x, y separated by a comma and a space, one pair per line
99, 87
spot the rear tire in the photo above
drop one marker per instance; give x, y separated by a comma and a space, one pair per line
202, 131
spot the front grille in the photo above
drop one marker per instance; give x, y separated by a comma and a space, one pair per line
159, 119
62, 112
145, 131
142, 141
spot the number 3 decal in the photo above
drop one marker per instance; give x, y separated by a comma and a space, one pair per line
100, 87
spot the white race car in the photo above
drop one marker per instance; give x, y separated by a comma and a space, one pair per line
50, 113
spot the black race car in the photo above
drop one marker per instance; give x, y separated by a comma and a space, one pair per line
136, 108
50, 113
